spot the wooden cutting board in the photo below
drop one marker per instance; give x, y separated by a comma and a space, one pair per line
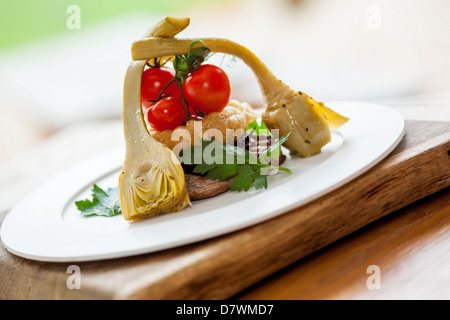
222, 267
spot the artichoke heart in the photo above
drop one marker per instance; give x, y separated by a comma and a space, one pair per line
303, 117
152, 179
150, 186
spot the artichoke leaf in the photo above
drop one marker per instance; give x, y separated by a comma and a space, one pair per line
334, 119
152, 179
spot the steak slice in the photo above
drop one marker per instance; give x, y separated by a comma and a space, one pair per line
199, 187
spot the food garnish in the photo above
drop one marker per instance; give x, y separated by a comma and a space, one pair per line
103, 203
242, 166
259, 127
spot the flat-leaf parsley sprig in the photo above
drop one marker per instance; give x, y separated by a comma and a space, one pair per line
223, 161
103, 203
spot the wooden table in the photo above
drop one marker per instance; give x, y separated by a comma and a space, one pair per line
410, 247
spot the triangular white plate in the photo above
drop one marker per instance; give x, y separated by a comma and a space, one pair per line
46, 225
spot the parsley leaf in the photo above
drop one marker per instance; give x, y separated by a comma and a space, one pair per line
223, 161
246, 175
259, 127
103, 203
261, 182
274, 150
222, 172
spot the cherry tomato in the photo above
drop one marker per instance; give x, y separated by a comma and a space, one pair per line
194, 115
207, 89
166, 114
153, 82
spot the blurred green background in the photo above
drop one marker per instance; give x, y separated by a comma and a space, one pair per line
22, 21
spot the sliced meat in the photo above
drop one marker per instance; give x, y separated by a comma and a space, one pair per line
199, 187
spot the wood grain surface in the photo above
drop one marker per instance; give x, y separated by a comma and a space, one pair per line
410, 247
222, 267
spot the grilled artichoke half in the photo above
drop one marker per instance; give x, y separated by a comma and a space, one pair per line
152, 179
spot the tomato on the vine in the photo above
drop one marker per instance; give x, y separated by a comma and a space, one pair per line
154, 80
166, 114
194, 115
205, 90
208, 89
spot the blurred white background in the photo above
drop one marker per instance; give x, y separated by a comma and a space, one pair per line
61, 96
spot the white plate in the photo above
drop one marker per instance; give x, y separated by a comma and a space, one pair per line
46, 225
